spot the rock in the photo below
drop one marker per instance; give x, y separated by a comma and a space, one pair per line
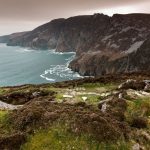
147, 87
120, 96
136, 146
103, 102
105, 94
67, 96
132, 84
137, 94
104, 107
35, 94
84, 98
127, 83
146, 136
5, 106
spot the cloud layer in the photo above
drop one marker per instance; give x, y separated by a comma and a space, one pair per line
49, 9
24, 14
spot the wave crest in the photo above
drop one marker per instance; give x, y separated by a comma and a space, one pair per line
60, 71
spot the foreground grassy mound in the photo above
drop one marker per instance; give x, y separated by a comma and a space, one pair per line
59, 137
110, 118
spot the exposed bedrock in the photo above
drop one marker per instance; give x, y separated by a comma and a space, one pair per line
99, 63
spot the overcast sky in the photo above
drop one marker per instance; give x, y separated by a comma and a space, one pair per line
23, 15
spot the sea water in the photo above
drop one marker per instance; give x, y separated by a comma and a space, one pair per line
26, 66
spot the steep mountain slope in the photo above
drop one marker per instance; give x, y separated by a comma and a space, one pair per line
102, 44
98, 63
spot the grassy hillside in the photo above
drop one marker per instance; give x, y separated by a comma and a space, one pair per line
107, 113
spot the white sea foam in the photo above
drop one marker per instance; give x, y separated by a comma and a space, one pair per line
48, 79
53, 51
61, 71
24, 50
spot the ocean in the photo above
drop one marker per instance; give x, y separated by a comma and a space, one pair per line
26, 66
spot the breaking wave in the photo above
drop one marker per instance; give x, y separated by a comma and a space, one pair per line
53, 51
60, 71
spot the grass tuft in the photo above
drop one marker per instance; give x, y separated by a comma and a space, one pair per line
59, 138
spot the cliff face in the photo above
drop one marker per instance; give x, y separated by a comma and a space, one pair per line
97, 63
73, 34
43, 37
12, 37
102, 44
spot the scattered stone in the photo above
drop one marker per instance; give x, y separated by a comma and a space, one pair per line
35, 94
120, 96
84, 98
137, 94
103, 101
67, 96
5, 106
132, 84
145, 93
105, 94
146, 136
147, 87
104, 107
136, 146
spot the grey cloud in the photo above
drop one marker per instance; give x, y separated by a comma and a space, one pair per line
20, 15
50, 9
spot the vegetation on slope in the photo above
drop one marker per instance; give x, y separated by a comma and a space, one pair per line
48, 120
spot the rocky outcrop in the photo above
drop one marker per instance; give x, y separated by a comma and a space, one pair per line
97, 63
102, 44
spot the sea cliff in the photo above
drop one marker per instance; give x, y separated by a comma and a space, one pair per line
102, 44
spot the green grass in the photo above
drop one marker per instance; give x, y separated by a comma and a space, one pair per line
3, 114
5, 127
59, 138
91, 99
88, 87
99, 87
140, 107
2, 91
59, 97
